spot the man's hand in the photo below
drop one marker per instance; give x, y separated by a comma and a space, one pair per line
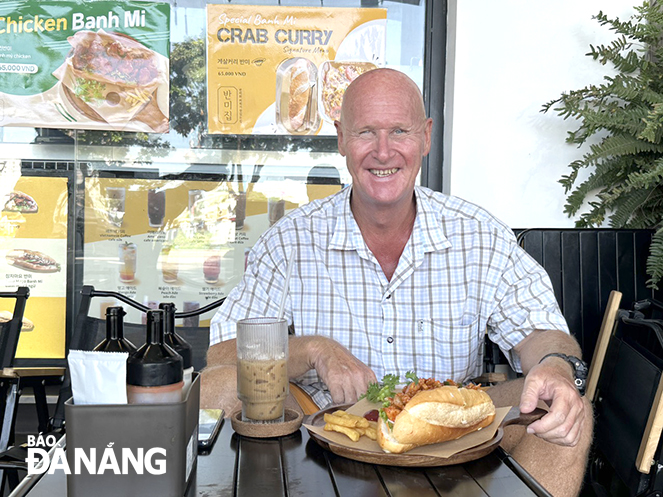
551, 382
345, 375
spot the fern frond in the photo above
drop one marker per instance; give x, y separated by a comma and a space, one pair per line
655, 259
622, 121
624, 209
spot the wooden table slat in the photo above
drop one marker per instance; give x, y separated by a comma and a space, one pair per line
216, 471
306, 467
259, 468
496, 478
454, 480
406, 482
354, 479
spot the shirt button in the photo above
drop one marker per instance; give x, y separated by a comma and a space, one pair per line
390, 340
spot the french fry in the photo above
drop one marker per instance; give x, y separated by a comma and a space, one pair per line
349, 432
339, 420
371, 431
137, 97
344, 419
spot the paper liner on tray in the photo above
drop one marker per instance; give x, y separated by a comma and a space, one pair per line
443, 450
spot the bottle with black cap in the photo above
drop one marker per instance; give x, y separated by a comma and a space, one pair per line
177, 343
154, 371
115, 341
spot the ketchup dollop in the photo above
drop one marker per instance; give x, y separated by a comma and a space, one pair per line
372, 415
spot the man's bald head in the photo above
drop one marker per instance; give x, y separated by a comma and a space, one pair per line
379, 81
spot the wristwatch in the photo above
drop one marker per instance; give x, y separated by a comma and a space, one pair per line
579, 366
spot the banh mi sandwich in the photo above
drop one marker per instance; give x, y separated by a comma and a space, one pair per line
32, 261
113, 58
20, 202
428, 411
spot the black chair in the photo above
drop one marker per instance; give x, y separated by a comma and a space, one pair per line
627, 453
10, 384
89, 331
9, 334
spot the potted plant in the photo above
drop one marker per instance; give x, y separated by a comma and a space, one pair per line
621, 120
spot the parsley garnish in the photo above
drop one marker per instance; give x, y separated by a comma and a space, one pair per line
412, 377
383, 391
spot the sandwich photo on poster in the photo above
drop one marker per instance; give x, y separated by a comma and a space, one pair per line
85, 65
33, 253
281, 70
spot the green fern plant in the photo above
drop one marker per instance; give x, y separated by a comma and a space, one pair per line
623, 116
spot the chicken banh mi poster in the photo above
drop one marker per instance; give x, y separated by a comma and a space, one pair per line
33, 253
86, 65
281, 70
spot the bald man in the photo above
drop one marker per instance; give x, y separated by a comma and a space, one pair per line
392, 277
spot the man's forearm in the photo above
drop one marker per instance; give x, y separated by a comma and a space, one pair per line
540, 343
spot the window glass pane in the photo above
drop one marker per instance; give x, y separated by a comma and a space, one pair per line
170, 217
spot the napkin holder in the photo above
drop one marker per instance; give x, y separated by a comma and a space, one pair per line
169, 430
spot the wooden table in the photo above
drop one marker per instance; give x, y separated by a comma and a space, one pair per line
296, 465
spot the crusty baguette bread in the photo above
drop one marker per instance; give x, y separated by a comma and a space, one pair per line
387, 442
300, 89
437, 415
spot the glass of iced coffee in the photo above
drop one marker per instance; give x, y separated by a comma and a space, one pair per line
115, 197
262, 371
156, 207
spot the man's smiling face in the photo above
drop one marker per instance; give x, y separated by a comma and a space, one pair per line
384, 134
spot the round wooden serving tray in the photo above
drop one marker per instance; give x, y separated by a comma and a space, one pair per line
418, 460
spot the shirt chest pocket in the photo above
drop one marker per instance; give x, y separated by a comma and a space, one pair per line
447, 350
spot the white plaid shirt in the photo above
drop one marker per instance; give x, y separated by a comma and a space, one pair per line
460, 274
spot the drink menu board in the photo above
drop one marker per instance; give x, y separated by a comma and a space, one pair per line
33, 253
176, 241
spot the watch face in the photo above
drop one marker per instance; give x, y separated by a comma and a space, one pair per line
580, 370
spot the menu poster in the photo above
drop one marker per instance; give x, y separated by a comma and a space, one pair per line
86, 65
33, 253
176, 241
283, 70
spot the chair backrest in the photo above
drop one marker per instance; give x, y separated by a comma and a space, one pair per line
585, 265
10, 331
629, 406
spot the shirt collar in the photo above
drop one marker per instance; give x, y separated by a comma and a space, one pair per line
347, 235
427, 232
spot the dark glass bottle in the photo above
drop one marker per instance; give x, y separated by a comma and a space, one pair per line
115, 341
154, 371
177, 343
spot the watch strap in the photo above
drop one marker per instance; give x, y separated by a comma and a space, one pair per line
579, 367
